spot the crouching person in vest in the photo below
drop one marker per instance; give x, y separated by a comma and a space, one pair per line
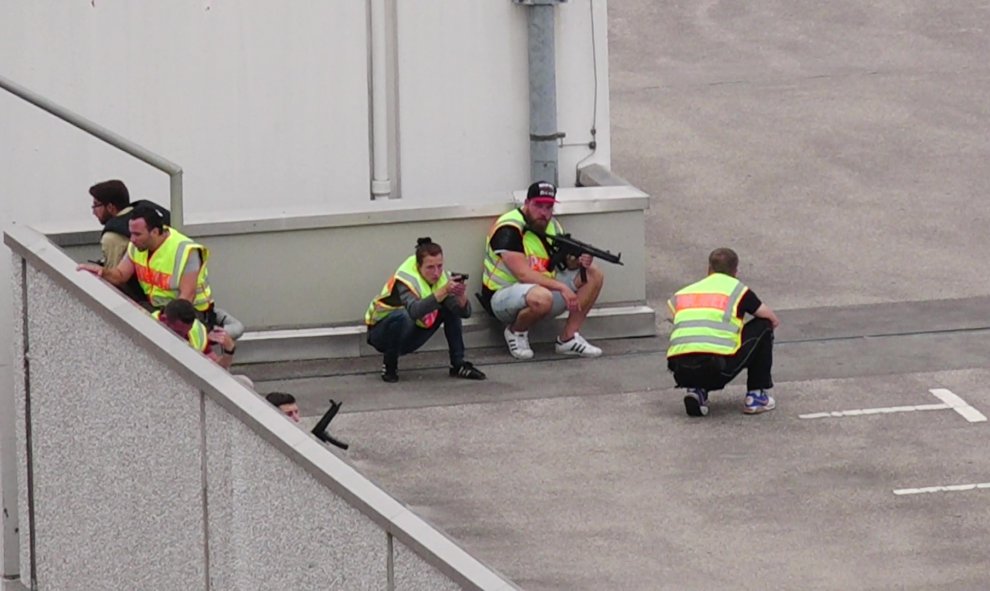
180, 317
710, 344
168, 265
418, 298
521, 287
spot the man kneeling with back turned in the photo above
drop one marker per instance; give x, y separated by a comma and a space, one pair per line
710, 344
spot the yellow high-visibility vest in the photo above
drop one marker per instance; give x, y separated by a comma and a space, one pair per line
408, 274
706, 318
159, 276
197, 336
497, 275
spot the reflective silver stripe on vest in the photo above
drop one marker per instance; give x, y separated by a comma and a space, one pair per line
726, 326
410, 281
177, 268
733, 304
730, 343
498, 280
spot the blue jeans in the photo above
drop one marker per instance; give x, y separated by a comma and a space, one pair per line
398, 334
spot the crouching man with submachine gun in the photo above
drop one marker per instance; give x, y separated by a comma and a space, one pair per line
533, 270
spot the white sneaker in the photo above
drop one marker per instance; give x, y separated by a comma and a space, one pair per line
577, 346
518, 343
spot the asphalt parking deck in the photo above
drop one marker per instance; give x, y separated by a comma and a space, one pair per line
587, 474
841, 149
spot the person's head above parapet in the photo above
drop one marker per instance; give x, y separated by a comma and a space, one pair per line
179, 316
109, 199
147, 227
285, 403
723, 260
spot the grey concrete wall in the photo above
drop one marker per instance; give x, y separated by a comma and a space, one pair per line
304, 272
272, 525
114, 450
144, 465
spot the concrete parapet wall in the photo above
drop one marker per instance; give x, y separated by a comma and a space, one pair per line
322, 271
143, 465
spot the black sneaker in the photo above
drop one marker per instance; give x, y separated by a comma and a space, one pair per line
467, 370
390, 372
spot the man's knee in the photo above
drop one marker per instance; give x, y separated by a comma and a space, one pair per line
539, 300
758, 326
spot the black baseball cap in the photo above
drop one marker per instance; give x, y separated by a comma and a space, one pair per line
542, 191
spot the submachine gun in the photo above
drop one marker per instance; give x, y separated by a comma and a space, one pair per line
562, 246
321, 430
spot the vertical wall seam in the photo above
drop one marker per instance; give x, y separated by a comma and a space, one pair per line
390, 564
204, 476
392, 53
28, 453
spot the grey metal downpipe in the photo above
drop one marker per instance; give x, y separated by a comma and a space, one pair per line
543, 133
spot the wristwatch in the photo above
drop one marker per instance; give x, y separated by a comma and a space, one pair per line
230, 351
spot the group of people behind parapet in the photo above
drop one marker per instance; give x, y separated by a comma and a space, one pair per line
522, 284
161, 269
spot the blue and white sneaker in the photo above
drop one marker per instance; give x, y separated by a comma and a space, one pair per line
696, 402
758, 401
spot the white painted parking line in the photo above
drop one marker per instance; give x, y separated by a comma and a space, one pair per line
959, 405
872, 411
949, 401
937, 489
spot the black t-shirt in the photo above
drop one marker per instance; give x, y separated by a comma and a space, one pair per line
505, 239
749, 304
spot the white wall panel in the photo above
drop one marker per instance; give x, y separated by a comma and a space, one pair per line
264, 104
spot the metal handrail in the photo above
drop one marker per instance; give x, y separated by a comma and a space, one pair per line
173, 170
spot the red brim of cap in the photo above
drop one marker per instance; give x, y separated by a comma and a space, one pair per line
542, 199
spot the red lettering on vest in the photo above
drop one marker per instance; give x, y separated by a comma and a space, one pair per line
152, 277
689, 301
537, 264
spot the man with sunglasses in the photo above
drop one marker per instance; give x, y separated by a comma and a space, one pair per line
112, 207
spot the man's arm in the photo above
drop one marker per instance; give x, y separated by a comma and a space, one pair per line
118, 275
764, 311
518, 265
190, 276
227, 346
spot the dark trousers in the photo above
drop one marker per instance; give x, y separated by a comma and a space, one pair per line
397, 334
714, 372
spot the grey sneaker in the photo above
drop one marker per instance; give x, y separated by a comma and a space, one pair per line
758, 401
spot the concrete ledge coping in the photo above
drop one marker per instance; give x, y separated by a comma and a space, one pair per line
572, 201
304, 333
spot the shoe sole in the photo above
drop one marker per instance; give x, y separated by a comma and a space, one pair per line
694, 408
755, 410
522, 356
576, 354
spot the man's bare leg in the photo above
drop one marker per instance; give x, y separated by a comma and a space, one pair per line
587, 294
539, 303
